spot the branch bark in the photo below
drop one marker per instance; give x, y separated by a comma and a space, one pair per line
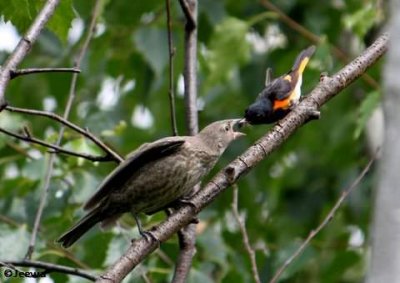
24, 46
323, 92
187, 235
22, 72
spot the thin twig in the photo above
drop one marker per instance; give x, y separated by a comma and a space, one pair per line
9, 221
325, 222
49, 267
56, 149
71, 97
322, 93
28, 71
245, 236
22, 151
23, 47
315, 39
113, 156
171, 49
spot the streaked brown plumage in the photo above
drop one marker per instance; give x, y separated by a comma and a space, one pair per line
154, 176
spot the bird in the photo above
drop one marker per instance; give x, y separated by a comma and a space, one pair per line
279, 95
154, 176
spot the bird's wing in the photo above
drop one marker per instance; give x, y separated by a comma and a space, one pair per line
143, 155
279, 89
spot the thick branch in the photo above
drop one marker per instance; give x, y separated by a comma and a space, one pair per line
324, 91
49, 267
24, 46
187, 235
111, 155
28, 71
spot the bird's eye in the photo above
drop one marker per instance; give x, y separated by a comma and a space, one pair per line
227, 128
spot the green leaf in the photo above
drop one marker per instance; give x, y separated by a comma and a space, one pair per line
118, 130
367, 107
21, 13
197, 276
13, 242
18, 13
152, 43
61, 20
81, 145
307, 255
362, 20
228, 49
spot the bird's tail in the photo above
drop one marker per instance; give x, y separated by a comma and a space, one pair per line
303, 58
80, 228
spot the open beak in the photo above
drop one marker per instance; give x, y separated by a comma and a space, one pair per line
236, 126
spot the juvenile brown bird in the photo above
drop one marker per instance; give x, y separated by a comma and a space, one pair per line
279, 96
154, 176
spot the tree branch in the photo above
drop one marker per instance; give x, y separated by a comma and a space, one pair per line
245, 236
325, 222
48, 268
191, 18
187, 235
324, 91
23, 47
27, 137
95, 12
110, 154
28, 71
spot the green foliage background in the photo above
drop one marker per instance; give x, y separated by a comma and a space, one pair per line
282, 199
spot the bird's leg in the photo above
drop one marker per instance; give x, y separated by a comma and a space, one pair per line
145, 234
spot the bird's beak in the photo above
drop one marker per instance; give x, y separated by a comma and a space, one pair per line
242, 123
236, 126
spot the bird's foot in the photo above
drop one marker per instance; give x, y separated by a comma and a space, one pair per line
148, 236
185, 201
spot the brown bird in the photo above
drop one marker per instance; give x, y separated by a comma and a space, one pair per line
154, 176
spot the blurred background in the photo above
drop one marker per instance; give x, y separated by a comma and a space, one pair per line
122, 97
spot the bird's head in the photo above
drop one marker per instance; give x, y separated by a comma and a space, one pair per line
218, 135
258, 112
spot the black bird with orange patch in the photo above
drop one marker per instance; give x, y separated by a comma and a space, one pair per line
281, 95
